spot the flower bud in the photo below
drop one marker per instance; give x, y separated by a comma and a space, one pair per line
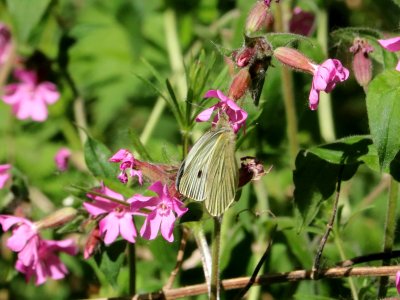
57, 218
92, 242
259, 18
244, 57
239, 85
250, 169
294, 59
362, 64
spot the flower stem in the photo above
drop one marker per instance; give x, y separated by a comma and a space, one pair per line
215, 280
325, 116
390, 227
201, 241
132, 268
288, 96
155, 115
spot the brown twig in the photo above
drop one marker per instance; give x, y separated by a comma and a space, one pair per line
368, 258
179, 259
324, 239
240, 282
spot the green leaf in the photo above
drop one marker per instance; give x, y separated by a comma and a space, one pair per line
26, 15
315, 181
96, 157
285, 39
349, 150
110, 261
383, 107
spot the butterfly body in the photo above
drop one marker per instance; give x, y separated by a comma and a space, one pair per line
210, 172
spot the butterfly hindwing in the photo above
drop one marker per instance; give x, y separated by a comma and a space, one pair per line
222, 175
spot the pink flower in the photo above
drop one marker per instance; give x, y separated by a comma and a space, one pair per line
164, 210
29, 98
4, 174
398, 281
62, 158
118, 216
48, 263
36, 257
325, 78
301, 22
237, 116
392, 45
5, 43
24, 239
127, 161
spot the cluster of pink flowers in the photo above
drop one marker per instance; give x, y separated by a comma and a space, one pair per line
116, 214
127, 165
30, 96
37, 257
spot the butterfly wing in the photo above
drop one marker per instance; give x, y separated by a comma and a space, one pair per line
192, 175
222, 179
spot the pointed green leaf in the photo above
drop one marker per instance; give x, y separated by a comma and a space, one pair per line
349, 150
96, 157
315, 181
383, 107
26, 15
110, 261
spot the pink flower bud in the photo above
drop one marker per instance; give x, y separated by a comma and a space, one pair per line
259, 18
57, 218
362, 64
294, 59
244, 57
239, 85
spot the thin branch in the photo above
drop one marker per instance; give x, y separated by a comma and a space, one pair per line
179, 259
324, 239
369, 258
240, 282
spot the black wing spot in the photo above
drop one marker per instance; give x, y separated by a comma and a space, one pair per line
199, 174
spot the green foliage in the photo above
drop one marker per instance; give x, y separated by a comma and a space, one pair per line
96, 157
383, 110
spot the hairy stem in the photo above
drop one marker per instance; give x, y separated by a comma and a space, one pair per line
288, 96
390, 228
215, 280
325, 116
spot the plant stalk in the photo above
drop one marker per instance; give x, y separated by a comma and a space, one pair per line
390, 228
215, 280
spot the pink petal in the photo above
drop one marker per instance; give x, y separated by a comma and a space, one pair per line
157, 187
398, 66
3, 179
167, 227
99, 207
26, 76
151, 226
47, 92
119, 155
313, 99
179, 207
398, 281
68, 246
205, 115
392, 44
127, 229
7, 221
110, 227
212, 94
